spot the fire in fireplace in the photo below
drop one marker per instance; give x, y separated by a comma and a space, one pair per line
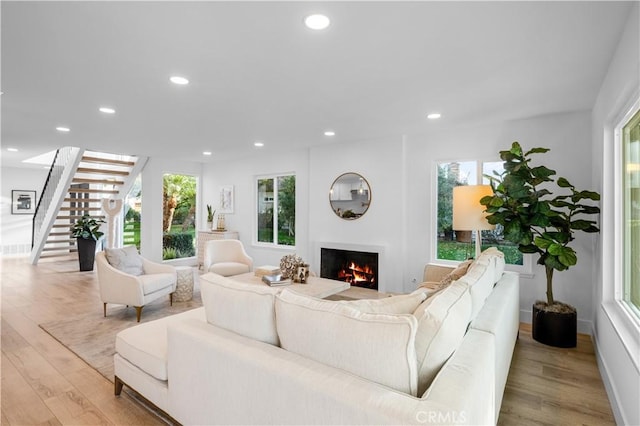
358, 268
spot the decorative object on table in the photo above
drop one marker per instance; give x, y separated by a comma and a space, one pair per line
289, 265
184, 286
542, 225
112, 207
23, 202
276, 280
469, 214
87, 232
210, 214
220, 225
226, 199
302, 273
261, 271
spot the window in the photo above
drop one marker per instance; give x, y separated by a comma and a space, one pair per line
276, 210
132, 209
452, 245
631, 212
178, 216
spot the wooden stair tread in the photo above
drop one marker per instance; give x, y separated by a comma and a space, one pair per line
83, 200
102, 171
103, 181
92, 191
100, 160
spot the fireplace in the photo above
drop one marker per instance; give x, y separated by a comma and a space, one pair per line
358, 268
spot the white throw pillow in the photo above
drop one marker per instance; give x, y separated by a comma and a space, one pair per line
244, 308
442, 323
125, 259
401, 304
377, 347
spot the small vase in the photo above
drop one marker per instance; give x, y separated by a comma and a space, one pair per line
210, 226
221, 225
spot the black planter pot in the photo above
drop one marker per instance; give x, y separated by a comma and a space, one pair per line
86, 253
554, 328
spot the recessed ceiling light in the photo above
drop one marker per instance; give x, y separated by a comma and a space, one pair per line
12, 149
258, 144
62, 129
434, 116
206, 153
107, 110
317, 22
179, 80
329, 133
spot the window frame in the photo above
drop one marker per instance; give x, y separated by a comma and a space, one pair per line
525, 270
275, 244
624, 321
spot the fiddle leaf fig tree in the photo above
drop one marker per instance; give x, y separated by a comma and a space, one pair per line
534, 216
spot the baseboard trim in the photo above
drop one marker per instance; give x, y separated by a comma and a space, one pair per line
584, 326
608, 386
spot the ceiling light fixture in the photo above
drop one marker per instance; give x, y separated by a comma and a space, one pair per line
317, 22
12, 149
107, 110
329, 133
206, 153
434, 116
258, 144
179, 80
63, 129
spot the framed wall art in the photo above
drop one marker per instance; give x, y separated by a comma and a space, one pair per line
226, 199
23, 202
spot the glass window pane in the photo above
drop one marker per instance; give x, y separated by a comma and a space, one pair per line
132, 215
287, 210
265, 210
452, 245
631, 235
178, 216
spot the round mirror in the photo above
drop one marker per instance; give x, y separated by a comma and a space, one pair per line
350, 196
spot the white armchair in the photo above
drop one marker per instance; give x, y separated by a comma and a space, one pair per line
116, 286
226, 258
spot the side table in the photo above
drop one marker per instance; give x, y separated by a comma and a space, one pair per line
184, 288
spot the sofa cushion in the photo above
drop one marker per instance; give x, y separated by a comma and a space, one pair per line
145, 345
246, 309
155, 282
401, 304
377, 347
125, 259
442, 324
482, 276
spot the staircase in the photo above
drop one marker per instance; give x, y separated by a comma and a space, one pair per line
97, 176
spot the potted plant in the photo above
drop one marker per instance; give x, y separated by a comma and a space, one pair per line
542, 222
210, 214
87, 232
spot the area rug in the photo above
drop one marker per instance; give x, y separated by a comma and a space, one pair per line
93, 337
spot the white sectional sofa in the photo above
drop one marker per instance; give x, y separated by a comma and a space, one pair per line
261, 355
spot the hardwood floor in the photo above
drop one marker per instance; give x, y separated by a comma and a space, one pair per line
45, 383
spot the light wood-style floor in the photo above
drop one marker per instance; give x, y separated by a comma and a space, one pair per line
45, 383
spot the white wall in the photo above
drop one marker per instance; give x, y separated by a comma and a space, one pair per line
567, 135
15, 230
616, 338
242, 174
151, 215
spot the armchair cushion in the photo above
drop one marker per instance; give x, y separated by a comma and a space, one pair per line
154, 282
125, 259
227, 269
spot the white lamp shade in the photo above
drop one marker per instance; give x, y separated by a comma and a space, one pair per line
468, 213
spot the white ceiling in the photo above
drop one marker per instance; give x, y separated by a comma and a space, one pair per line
258, 74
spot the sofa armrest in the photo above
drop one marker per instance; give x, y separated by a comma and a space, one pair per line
435, 273
211, 369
